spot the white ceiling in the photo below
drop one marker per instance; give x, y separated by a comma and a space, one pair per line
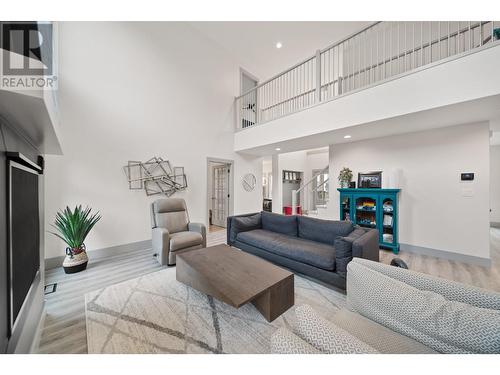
253, 44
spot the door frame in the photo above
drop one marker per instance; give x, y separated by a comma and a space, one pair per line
249, 75
208, 187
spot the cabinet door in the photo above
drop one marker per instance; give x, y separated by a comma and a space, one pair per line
346, 207
365, 210
389, 220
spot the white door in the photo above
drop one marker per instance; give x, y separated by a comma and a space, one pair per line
220, 194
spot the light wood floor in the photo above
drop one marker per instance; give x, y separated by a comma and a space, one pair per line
215, 228
65, 332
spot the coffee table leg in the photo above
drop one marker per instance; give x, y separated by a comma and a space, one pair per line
276, 300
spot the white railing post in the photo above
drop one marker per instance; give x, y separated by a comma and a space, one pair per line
294, 202
318, 76
257, 107
237, 113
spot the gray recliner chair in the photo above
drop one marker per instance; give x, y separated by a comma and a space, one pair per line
172, 231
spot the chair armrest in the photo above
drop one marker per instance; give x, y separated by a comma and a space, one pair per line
366, 246
161, 244
200, 228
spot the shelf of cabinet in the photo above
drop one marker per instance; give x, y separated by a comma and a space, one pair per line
367, 225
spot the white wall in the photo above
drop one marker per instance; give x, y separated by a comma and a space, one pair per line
292, 161
495, 183
267, 173
130, 91
434, 213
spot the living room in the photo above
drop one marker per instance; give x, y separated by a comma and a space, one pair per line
250, 187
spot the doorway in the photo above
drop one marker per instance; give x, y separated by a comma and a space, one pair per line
219, 193
249, 114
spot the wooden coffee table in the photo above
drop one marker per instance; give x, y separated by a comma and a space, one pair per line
235, 277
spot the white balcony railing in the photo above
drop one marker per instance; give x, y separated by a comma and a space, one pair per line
379, 52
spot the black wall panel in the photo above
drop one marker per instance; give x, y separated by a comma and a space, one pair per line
13, 142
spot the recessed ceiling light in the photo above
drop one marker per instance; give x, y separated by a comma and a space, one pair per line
279, 45
278, 149
347, 136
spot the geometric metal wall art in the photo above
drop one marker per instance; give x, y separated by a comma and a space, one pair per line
155, 176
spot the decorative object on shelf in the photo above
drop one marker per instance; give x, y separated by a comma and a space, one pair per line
370, 180
291, 176
249, 181
73, 227
496, 33
155, 176
373, 208
352, 185
345, 177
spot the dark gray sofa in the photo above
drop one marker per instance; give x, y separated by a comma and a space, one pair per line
314, 247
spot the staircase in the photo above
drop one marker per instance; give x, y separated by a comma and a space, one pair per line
313, 195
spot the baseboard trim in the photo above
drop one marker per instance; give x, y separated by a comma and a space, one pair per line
55, 262
485, 262
495, 224
38, 334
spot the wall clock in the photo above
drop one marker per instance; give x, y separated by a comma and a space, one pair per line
249, 181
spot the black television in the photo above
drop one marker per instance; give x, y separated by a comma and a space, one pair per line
23, 236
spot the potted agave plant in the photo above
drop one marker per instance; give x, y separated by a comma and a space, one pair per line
73, 227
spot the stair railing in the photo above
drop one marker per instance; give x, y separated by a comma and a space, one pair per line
379, 52
307, 190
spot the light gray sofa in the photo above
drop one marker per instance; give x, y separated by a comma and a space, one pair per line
172, 231
394, 310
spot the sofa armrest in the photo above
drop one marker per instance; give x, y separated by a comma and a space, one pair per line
161, 244
366, 246
232, 230
199, 228
327, 336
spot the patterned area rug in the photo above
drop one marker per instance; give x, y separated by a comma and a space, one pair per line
157, 314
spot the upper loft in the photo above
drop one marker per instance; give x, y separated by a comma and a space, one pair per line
397, 60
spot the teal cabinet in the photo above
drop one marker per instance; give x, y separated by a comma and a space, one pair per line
373, 208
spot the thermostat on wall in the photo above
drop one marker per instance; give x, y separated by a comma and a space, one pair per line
467, 176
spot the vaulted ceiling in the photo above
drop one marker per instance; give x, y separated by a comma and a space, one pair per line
253, 44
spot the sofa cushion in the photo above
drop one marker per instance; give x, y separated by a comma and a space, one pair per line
313, 253
326, 336
279, 223
445, 326
183, 240
324, 231
284, 341
449, 289
380, 338
355, 234
243, 224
